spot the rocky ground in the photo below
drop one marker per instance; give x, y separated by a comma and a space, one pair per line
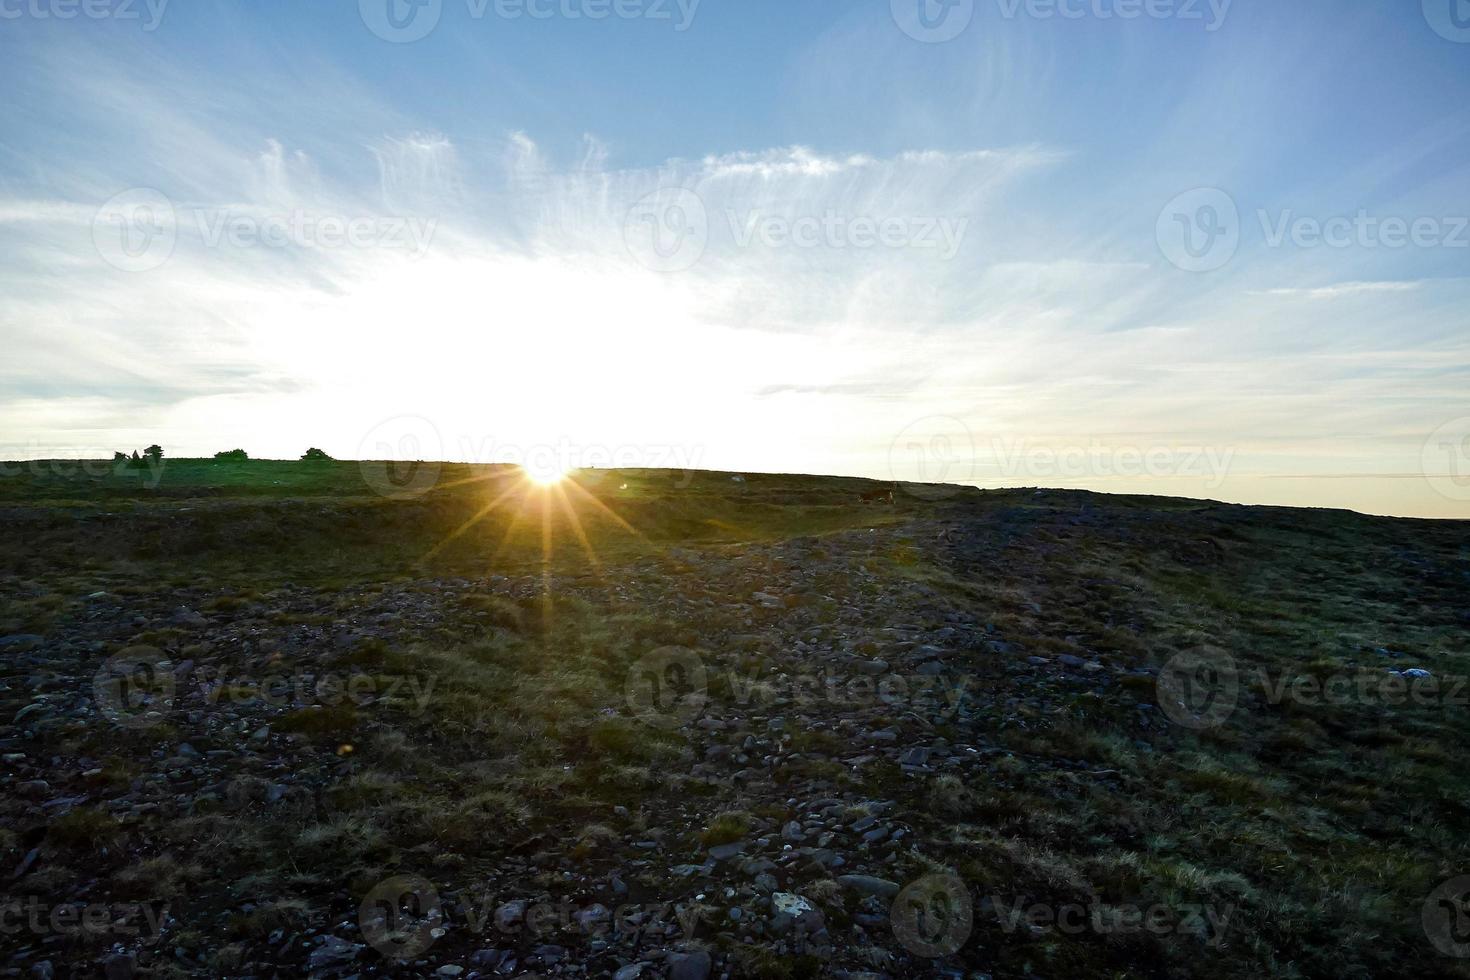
951, 743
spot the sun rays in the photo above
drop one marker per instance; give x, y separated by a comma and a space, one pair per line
549, 499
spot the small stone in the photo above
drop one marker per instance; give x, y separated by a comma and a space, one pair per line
333, 951
119, 966
793, 910
511, 914
868, 885
33, 708
689, 966
724, 852
593, 918
916, 756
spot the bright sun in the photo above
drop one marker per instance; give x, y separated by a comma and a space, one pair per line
544, 473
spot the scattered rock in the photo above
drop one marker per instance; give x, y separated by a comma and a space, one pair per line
880, 887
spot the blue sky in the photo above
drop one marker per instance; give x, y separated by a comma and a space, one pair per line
1031, 317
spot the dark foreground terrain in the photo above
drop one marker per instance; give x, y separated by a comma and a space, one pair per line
260, 720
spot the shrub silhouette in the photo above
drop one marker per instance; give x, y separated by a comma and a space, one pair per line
315, 454
154, 452
233, 455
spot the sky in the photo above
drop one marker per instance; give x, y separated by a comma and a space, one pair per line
1199, 248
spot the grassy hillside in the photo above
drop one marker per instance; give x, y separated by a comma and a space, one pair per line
285, 717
